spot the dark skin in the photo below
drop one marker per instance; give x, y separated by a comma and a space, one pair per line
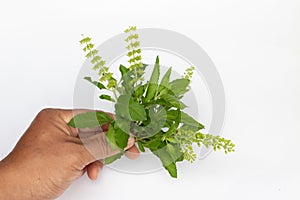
50, 156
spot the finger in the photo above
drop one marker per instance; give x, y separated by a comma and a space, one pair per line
67, 115
94, 169
130, 143
106, 126
96, 147
132, 153
97, 129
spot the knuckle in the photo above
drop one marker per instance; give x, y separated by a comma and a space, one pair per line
74, 158
84, 152
45, 111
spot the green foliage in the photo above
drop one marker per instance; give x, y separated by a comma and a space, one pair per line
134, 55
153, 82
96, 83
164, 86
141, 146
110, 136
113, 158
216, 142
98, 63
106, 97
188, 74
179, 87
128, 108
90, 120
152, 111
121, 137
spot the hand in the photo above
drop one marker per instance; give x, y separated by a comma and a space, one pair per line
50, 156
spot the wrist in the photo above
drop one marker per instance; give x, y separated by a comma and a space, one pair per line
4, 185
11, 183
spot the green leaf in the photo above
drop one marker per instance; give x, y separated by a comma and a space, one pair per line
172, 115
141, 147
122, 107
166, 78
153, 144
173, 101
113, 158
153, 125
164, 84
167, 161
190, 121
85, 40
96, 59
126, 107
172, 170
179, 86
163, 155
123, 69
137, 111
106, 97
96, 83
127, 82
158, 115
175, 151
176, 123
92, 53
123, 124
121, 138
110, 137
90, 120
158, 102
171, 149
140, 90
153, 82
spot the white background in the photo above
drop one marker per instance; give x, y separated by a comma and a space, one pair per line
254, 44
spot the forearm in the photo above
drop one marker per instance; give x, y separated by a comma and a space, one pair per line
5, 184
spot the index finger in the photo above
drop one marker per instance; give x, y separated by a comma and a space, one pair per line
67, 115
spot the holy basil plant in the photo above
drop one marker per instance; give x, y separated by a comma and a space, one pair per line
151, 111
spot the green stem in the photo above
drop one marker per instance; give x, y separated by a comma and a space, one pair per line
133, 55
115, 94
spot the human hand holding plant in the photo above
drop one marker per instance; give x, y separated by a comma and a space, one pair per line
58, 148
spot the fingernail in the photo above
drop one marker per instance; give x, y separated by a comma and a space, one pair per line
97, 174
130, 142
